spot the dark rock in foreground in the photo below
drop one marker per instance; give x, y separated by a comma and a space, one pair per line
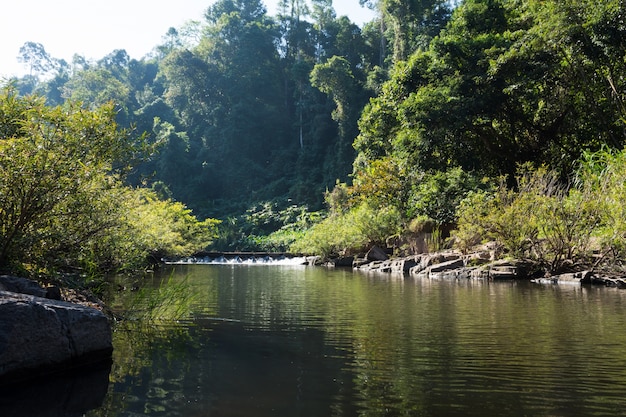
39, 335
21, 286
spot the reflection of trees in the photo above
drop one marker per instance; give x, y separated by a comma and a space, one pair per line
156, 320
422, 346
143, 380
334, 343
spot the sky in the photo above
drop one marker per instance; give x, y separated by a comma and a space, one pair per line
95, 28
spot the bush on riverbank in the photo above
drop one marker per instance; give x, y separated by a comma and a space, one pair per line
560, 226
347, 233
147, 227
582, 225
63, 203
389, 201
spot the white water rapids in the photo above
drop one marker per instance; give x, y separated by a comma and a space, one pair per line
243, 260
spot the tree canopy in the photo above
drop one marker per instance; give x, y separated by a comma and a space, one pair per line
63, 205
506, 82
250, 110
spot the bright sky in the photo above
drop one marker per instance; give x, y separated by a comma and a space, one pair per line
94, 28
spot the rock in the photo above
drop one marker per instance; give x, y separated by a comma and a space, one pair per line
38, 336
312, 260
604, 280
503, 270
403, 265
343, 262
573, 278
421, 264
395, 266
376, 254
375, 266
430, 268
384, 266
53, 293
21, 285
447, 266
479, 273
479, 258
439, 258
360, 262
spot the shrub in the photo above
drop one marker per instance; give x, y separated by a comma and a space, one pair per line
63, 205
164, 227
57, 177
600, 179
348, 233
541, 220
438, 194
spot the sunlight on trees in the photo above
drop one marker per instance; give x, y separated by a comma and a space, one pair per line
63, 204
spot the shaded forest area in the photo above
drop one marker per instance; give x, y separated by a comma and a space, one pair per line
304, 127
232, 102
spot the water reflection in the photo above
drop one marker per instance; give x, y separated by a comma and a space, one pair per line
70, 394
243, 259
280, 341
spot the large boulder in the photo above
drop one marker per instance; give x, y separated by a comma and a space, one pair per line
21, 286
376, 253
39, 335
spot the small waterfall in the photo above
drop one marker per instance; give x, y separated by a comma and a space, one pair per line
243, 259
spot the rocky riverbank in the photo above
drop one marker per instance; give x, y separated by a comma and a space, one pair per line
41, 334
483, 264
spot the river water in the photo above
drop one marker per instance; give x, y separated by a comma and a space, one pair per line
302, 341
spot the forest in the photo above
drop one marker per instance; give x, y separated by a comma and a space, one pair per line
500, 120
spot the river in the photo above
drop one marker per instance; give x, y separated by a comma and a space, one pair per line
254, 340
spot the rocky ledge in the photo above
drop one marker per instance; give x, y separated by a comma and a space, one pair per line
450, 264
40, 335
482, 264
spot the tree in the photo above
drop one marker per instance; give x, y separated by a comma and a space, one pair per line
116, 63
335, 78
97, 86
229, 97
56, 167
506, 82
409, 25
171, 42
35, 57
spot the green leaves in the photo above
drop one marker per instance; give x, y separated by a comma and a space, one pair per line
62, 203
52, 158
166, 228
557, 227
506, 82
349, 233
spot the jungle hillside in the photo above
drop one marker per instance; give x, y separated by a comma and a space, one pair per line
471, 121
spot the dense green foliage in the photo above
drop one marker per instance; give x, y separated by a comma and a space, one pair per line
247, 108
504, 84
63, 205
560, 228
258, 117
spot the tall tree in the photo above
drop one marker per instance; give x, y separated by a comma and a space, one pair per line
506, 82
228, 95
411, 24
35, 57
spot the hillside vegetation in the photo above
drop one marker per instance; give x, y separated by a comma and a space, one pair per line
500, 119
